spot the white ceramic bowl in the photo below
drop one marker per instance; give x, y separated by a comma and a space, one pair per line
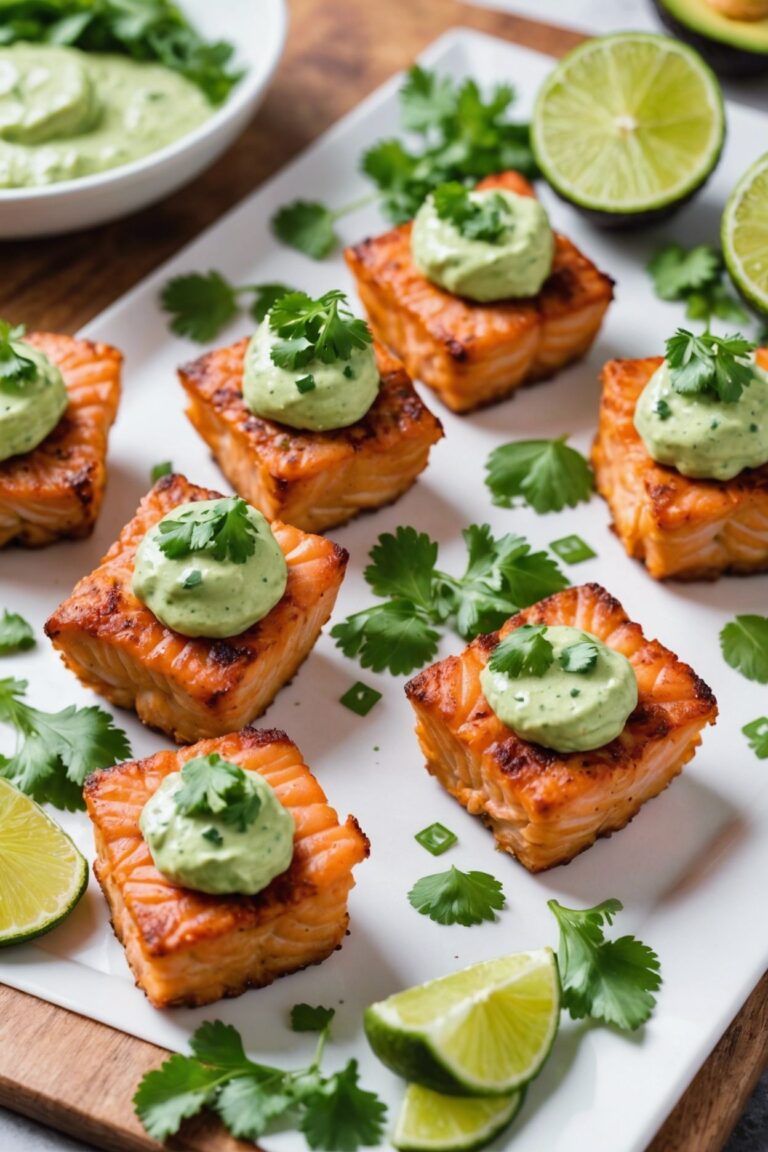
257, 29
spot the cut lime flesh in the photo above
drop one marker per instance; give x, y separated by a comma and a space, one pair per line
744, 235
483, 1031
429, 1122
628, 124
42, 874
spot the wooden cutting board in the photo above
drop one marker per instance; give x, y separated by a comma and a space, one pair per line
63, 1069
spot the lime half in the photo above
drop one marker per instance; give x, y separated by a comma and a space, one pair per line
744, 234
429, 1122
42, 874
484, 1031
629, 126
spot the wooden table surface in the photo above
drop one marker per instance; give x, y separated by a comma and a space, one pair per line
71, 1072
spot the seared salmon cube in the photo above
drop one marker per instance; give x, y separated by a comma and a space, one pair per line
681, 528
190, 688
545, 807
186, 947
55, 491
474, 354
314, 480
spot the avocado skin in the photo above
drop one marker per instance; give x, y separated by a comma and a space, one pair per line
725, 59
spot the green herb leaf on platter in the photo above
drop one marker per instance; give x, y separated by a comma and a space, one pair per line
164, 468
265, 297
403, 565
677, 271
343, 1116
56, 751
525, 651
168, 1095
396, 636
306, 1018
548, 475
200, 304
711, 365
307, 225
456, 897
16, 634
744, 644
757, 735
609, 980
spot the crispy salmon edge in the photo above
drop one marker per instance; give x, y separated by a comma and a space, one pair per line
251, 737
532, 756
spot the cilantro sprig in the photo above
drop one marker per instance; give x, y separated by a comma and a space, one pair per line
609, 980
486, 220
200, 304
323, 329
57, 750
214, 787
527, 651
456, 897
707, 364
502, 575
696, 276
155, 31
16, 634
756, 733
224, 530
548, 475
15, 368
461, 136
744, 644
332, 1111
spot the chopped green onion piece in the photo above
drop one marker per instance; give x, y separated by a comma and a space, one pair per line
360, 698
436, 839
159, 470
572, 549
306, 384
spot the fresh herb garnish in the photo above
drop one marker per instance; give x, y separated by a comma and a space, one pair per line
579, 658
156, 31
213, 836
547, 474
322, 329
306, 384
456, 897
360, 698
15, 368
57, 750
744, 643
159, 470
463, 138
527, 651
224, 530
436, 839
695, 275
305, 1018
333, 1112
709, 364
572, 549
486, 220
16, 634
502, 576
662, 409
193, 579
757, 735
214, 787
202, 304
610, 980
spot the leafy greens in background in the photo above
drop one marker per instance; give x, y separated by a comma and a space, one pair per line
502, 575
16, 633
201, 304
145, 30
454, 135
744, 643
697, 277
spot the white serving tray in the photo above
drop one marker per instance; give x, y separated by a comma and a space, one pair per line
690, 869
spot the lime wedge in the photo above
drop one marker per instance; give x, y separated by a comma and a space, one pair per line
744, 234
628, 126
484, 1031
42, 874
429, 1122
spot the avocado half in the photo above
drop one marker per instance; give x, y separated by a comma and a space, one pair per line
732, 47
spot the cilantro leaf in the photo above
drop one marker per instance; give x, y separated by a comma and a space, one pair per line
180, 1088
744, 644
403, 180
57, 750
218, 1043
676, 272
247, 1105
395, 636
580, 657
225, 530
403, 565
266, 296
610, 980
524, 652
307, 225
455, 897
200, 305
343, 1116
709, 364
716, 301
212, 786
15, 367
486, 220
426, 99
164, 468
547, 474
757, 735
305, 1018
16, 634
322, 329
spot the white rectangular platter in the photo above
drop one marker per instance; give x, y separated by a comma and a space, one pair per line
691, 867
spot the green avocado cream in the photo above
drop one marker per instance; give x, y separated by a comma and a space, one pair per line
66, 113
515, 265
318, 397
31, 407
566, 711
204, 852
699, 434
200, 595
